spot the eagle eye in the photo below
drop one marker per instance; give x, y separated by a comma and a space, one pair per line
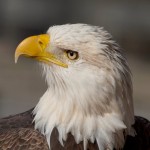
72, 55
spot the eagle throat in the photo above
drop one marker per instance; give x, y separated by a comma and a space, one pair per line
87, 111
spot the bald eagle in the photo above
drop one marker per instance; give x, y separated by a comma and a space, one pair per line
88, 104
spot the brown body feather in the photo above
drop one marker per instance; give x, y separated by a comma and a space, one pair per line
17, 133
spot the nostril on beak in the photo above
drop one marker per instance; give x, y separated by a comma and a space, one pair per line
41, 44
43, 41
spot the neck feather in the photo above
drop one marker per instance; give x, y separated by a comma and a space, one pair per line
68, 117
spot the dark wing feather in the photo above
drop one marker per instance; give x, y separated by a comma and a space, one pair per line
17, 133
23, 120
140, 142
69, 144
142, 139
22, 139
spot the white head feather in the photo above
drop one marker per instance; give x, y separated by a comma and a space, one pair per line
92, 98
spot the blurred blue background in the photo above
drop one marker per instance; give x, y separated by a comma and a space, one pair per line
21, 85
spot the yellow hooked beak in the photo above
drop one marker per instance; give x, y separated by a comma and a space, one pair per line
35, 47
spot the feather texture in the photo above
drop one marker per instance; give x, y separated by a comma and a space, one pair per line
17, 132
88, 102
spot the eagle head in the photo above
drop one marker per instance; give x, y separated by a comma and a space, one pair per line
89, 85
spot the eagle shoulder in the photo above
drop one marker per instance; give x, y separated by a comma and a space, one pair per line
141, 141
22, 139
22, 120
17, 132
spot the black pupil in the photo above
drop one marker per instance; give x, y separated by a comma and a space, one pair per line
71, 53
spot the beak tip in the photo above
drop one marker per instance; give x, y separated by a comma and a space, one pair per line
16, 59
